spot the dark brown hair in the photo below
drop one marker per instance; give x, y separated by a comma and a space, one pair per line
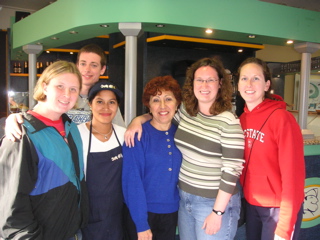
93, 48
265, 70
224, 95
158, 84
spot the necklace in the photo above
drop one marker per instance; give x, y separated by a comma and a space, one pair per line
104, 135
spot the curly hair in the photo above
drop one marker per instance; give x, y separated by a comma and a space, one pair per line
265, 70
224, 95
158, 84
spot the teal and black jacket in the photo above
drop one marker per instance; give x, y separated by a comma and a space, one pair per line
42, 190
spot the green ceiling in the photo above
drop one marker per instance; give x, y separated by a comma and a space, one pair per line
231, 20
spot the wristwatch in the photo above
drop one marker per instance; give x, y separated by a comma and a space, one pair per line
219, 213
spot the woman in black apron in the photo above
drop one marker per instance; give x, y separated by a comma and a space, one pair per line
102, 142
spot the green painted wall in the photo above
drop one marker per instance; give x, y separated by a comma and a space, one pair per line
231, 19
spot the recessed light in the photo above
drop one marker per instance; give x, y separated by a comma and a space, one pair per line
54, 38
104, 25
240, 50
209, 31
160, 25
289, 41
73, 32
252, 36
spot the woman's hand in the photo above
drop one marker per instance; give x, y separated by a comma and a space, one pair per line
276, 237
13, 128
135, 127
146, 235
212, 223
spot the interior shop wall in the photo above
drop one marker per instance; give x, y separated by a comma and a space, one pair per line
3, 81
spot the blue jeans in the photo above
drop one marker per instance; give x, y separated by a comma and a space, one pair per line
193, 210
262, 222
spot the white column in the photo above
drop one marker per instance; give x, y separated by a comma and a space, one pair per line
32, 51
131, 32
306, 49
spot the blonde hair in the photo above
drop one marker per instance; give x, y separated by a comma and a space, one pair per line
52, 71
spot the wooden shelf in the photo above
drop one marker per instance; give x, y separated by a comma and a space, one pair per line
21, 75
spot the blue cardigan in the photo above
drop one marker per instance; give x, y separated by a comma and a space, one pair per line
150, 175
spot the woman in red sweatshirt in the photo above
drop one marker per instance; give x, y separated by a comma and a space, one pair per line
274, 173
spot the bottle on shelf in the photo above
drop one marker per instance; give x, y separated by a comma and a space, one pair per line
15, 69
25, 69
19, 69
40, 67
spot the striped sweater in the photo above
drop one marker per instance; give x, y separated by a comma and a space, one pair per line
212, 151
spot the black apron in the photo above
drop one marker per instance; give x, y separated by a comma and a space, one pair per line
104, 170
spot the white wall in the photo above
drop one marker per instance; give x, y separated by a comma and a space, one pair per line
6, 13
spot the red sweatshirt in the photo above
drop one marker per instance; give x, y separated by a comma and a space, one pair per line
276, 173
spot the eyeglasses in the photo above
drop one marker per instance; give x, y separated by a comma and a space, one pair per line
209, 81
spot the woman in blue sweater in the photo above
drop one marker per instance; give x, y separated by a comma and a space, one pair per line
151, 167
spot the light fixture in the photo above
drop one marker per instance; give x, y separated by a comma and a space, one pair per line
252, 36
104, 25
289, 41
47, 51
10, 93
209, 31
160, 25
71, 53
240, 50
54, 38
73, 32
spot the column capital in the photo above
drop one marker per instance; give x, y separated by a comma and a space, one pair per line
306, 47
130, 29
32, 48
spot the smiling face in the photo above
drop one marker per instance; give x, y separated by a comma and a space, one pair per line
104, 107
206, 85
61, 94
89, 65
162, 107
252, 85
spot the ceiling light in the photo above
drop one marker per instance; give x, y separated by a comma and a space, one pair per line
47, 51
104, 25
252, 36
209, 30
54, 38
160, 25
73, 32
289, 41
240, 50
71, 52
